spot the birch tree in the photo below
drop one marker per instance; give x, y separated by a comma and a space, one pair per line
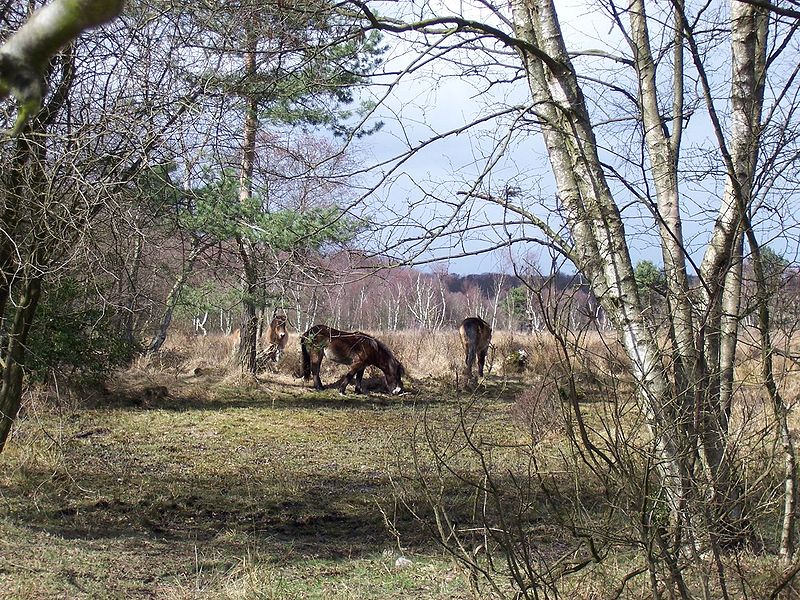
698, 380
664, 73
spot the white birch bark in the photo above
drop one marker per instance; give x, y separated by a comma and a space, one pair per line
749, 32
748, 64
595, 223
697, 387
663, 151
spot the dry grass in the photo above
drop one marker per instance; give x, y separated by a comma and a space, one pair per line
435, 356
425, 354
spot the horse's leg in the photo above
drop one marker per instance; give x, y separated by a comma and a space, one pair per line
481, 362
347, 378
470, 360
306, 355
359, 377
316, 362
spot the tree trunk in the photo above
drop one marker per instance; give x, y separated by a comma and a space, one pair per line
685, 400
173, 296
249, 329
721, 266
16, 324
600, 250
129, 321
699, 379
14, 356
248, 332
780, 409
663, 149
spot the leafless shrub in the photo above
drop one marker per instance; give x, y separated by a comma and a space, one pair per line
484, 498
579, 485
538, 409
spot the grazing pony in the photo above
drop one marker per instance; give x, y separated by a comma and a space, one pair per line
356, 349
476, 335
277, 338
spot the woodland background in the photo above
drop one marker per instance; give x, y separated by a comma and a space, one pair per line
189, 169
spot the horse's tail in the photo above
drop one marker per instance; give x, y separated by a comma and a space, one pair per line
306, 358
469, 339
472, 349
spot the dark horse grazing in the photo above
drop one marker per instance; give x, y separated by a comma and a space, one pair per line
356, 349
476, 335
277, 338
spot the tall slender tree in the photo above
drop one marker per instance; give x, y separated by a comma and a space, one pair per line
279, 64
664, 54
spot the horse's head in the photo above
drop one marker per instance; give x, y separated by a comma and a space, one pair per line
278, 328
394, 377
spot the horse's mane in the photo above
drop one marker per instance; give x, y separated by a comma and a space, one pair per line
379, 345
390, 354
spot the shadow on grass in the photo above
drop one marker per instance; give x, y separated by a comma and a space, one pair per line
302, 396
306, 400
333, 518
116, 484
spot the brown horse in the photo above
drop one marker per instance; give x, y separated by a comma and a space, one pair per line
277, 338
356, 349
476, 335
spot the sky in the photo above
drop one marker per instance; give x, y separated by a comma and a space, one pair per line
420, 192
437, 99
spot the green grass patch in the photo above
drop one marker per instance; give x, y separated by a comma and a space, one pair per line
200, 491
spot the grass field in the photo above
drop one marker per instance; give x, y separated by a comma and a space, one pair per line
181, 479
171, 484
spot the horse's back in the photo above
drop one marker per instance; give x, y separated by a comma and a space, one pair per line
323, 337
316, 331
325, 331
474, 330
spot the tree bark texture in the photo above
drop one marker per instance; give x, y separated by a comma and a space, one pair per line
14, 356
21, 274
600, 248
687, 396
249, 329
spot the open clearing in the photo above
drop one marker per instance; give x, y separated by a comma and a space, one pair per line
180, 480
188, 486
